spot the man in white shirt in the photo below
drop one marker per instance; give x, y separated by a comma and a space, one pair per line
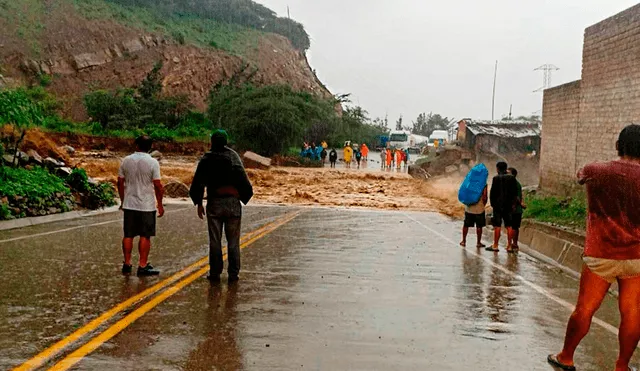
140, 188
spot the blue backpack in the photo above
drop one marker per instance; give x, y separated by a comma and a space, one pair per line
473, 186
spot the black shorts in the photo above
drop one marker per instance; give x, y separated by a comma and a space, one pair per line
516, 220
475, 220
499, 218
139, 223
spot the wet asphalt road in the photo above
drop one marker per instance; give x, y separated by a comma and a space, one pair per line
329, 290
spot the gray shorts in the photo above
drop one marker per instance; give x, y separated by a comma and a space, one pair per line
613, 270
139, 223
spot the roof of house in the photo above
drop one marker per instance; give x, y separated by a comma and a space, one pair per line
512, 129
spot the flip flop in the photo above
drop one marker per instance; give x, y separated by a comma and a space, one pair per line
553, 361
492, 249
463, 244
481, 246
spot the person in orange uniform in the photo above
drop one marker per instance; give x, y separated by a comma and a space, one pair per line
399, 156
389, 158
365, 152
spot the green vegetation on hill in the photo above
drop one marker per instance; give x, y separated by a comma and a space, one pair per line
231, 25
184, 28
246, 13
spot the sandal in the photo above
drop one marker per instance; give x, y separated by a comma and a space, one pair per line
492, 248
553, 361
481, 246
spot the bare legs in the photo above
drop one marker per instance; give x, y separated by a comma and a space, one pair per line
629, 334
465, 232
592, 291
144, 246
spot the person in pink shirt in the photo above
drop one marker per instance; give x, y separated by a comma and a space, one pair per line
612, 250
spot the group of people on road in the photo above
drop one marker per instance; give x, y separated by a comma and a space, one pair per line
220, 172
353, 153
313, 152
612, 242
508, 206
390, 157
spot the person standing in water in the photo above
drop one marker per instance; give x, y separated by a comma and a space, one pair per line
516, 217
222, 174
365, 152
383, 158
141, 194
358, 156
348, 155
333, 157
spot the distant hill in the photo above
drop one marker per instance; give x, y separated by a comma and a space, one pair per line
89, 44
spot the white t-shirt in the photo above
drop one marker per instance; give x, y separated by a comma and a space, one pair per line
139, 170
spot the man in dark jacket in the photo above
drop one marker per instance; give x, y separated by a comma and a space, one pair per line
503, 196
221, 172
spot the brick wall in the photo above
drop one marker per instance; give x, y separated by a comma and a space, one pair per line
610, 85
609, 99
561, 109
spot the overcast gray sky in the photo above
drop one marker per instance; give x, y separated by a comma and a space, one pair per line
412, 56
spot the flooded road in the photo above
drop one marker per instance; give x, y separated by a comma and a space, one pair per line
321, 289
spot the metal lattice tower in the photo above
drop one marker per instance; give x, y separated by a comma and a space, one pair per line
548, 72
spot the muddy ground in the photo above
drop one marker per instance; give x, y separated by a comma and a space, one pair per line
366, 188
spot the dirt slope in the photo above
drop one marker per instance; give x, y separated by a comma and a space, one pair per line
83, 54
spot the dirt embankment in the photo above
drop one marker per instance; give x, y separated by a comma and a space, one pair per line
319, 187
84, 55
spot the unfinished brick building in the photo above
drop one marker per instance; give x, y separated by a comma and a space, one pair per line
581, 120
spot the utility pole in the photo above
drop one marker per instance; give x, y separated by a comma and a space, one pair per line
493, 100
510, 111
546, 78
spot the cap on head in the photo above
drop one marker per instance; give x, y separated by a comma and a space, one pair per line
219, 138
144, 143
629, 142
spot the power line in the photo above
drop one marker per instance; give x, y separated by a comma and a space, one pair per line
548, 70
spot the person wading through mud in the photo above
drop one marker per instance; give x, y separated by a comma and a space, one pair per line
358, 156
348, 154
516, 217
611, 251
503, 194
333, 157
140, 193
221, 172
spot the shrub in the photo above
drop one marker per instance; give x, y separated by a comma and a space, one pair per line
179, 37
268, 119
19, 108
94, 196
571, 211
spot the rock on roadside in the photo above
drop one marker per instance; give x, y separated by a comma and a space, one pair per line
255, 161
175, 189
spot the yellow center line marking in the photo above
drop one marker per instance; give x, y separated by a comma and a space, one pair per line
58, 347
125, 322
